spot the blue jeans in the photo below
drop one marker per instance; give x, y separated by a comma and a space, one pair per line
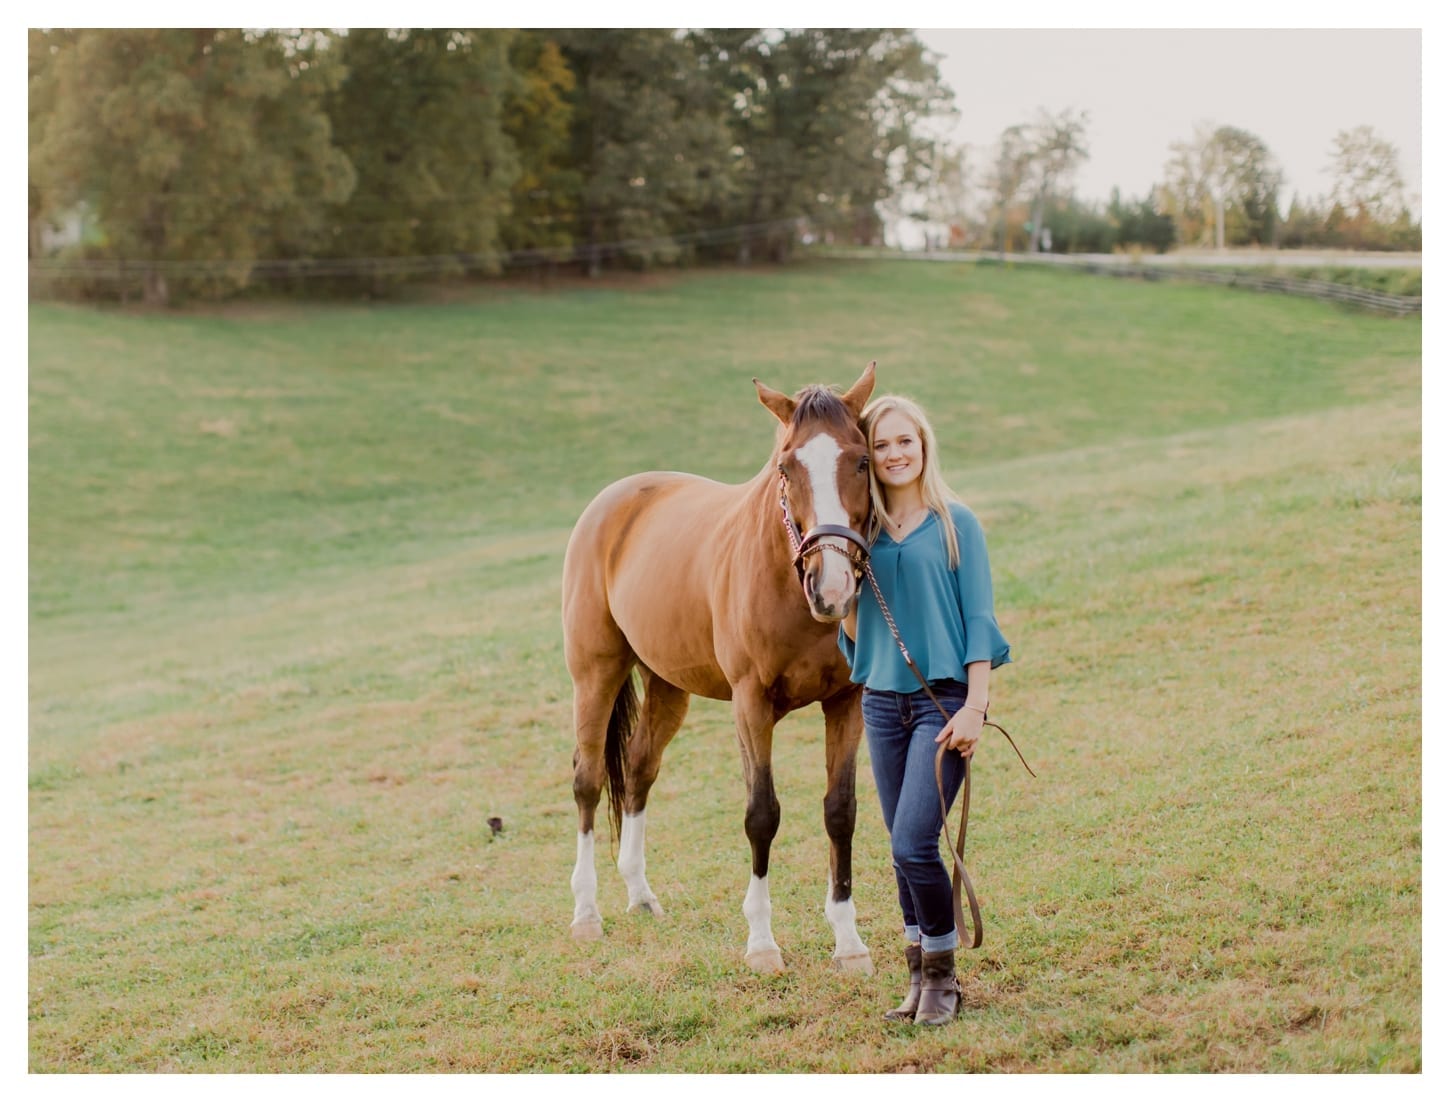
901, 730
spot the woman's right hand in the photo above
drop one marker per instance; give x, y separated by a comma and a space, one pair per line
964, 730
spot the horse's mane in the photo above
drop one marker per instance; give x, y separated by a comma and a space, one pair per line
820, 403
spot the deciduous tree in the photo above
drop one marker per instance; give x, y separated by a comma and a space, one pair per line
538, 116
944, 199
1366, 170
649, 143
1056, 147
1008, 175
1223, 168
421, 116
194, 149
826, 123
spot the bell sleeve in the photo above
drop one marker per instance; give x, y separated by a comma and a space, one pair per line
985, 641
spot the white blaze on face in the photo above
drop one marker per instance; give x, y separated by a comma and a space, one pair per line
836, 581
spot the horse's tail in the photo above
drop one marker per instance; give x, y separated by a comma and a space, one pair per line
622, 720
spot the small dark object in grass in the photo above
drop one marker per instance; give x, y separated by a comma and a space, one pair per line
495, 826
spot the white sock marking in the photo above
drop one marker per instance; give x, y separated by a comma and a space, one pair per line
757, 913
631, 859
586, 904
842, 917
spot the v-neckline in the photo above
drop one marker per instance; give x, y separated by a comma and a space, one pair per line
915, 528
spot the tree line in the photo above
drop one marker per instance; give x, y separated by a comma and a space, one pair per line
1221, 187
206, 157
195, 162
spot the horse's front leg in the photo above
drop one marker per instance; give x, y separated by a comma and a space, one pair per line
843, 738
755, 720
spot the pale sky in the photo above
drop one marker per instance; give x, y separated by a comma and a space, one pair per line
1145, 89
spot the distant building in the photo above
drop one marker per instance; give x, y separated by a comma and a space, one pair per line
49, 236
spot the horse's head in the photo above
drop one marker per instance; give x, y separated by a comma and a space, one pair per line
825, 484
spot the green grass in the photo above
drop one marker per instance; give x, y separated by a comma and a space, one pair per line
294, 637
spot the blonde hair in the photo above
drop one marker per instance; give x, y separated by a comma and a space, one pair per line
935, 493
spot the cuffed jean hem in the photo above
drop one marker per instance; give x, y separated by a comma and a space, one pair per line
912, 934
940, 943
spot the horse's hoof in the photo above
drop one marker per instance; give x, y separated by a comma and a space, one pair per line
857, 964
765, 960
650, 906
587, 929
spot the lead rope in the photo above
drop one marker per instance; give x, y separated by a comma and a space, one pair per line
960, 880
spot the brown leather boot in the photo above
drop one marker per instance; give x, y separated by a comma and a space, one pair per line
941, 993
906, 1012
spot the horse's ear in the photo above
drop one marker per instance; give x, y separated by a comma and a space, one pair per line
860, 391
782, 405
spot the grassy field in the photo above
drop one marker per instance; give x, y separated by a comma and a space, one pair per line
294, 637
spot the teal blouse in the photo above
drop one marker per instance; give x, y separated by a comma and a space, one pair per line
945, 616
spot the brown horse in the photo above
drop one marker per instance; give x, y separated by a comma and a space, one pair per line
711, 589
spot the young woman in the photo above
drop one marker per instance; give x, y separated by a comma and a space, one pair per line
930, 559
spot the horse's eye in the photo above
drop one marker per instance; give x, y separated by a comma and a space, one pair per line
861, 466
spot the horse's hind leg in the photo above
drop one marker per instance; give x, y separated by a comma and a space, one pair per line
843, 737
661, 713
602, 691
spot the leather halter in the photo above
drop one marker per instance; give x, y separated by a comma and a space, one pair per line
810, 542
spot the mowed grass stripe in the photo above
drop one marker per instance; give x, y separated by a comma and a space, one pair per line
257, 804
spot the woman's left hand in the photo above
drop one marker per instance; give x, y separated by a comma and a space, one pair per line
963, 730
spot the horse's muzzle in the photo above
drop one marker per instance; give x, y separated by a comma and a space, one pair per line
833, 608
830, 612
